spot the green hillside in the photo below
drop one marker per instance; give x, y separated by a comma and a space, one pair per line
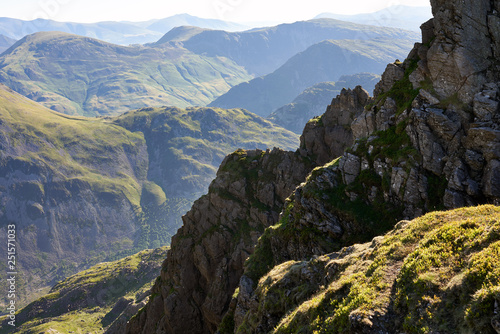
83, 76
5, 43
436, 273
84, 190
106, 294
325, 61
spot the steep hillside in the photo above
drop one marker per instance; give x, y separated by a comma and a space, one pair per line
84, 76
82, 190
102, 297
325, 61
207, 254
428, 140
262, 51
312, 101
186, 146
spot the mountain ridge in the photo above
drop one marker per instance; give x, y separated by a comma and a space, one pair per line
116, 32
291, 38
397, 16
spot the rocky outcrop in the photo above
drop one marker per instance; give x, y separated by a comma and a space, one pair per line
465, 53
207, 254
327, 136
312, 101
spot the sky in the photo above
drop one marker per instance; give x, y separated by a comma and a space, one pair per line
241, 11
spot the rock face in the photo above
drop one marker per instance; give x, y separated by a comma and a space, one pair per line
465, 54
327, 137
427, 142
207, 254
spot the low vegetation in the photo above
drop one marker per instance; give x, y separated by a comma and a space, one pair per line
88, 301
437, 273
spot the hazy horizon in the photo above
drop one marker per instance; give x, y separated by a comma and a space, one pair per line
237, 11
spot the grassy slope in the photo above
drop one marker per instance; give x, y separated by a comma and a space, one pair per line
80, 75
437, 273
84, 302
92, 150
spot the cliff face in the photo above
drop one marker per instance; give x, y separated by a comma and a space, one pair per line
207, 254
429, 139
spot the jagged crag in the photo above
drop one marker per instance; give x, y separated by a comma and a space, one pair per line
429, 139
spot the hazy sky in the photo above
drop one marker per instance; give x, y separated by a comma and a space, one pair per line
229, 10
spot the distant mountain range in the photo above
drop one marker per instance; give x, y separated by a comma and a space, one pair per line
192, 66
398, 16
325, 61
261, 51
122, 33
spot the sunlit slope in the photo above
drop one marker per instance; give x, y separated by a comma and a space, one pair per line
80, 75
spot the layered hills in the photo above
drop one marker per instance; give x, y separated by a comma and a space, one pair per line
85, 76
189, 66
83, 190
336, 259
261, 51
325, 61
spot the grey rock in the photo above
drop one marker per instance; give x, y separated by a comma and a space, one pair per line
485, 107
328, 137
351, 167
427, 29
491, 180
393, 72
428, 97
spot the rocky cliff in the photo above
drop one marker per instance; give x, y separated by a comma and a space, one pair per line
207, 254
428, 140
